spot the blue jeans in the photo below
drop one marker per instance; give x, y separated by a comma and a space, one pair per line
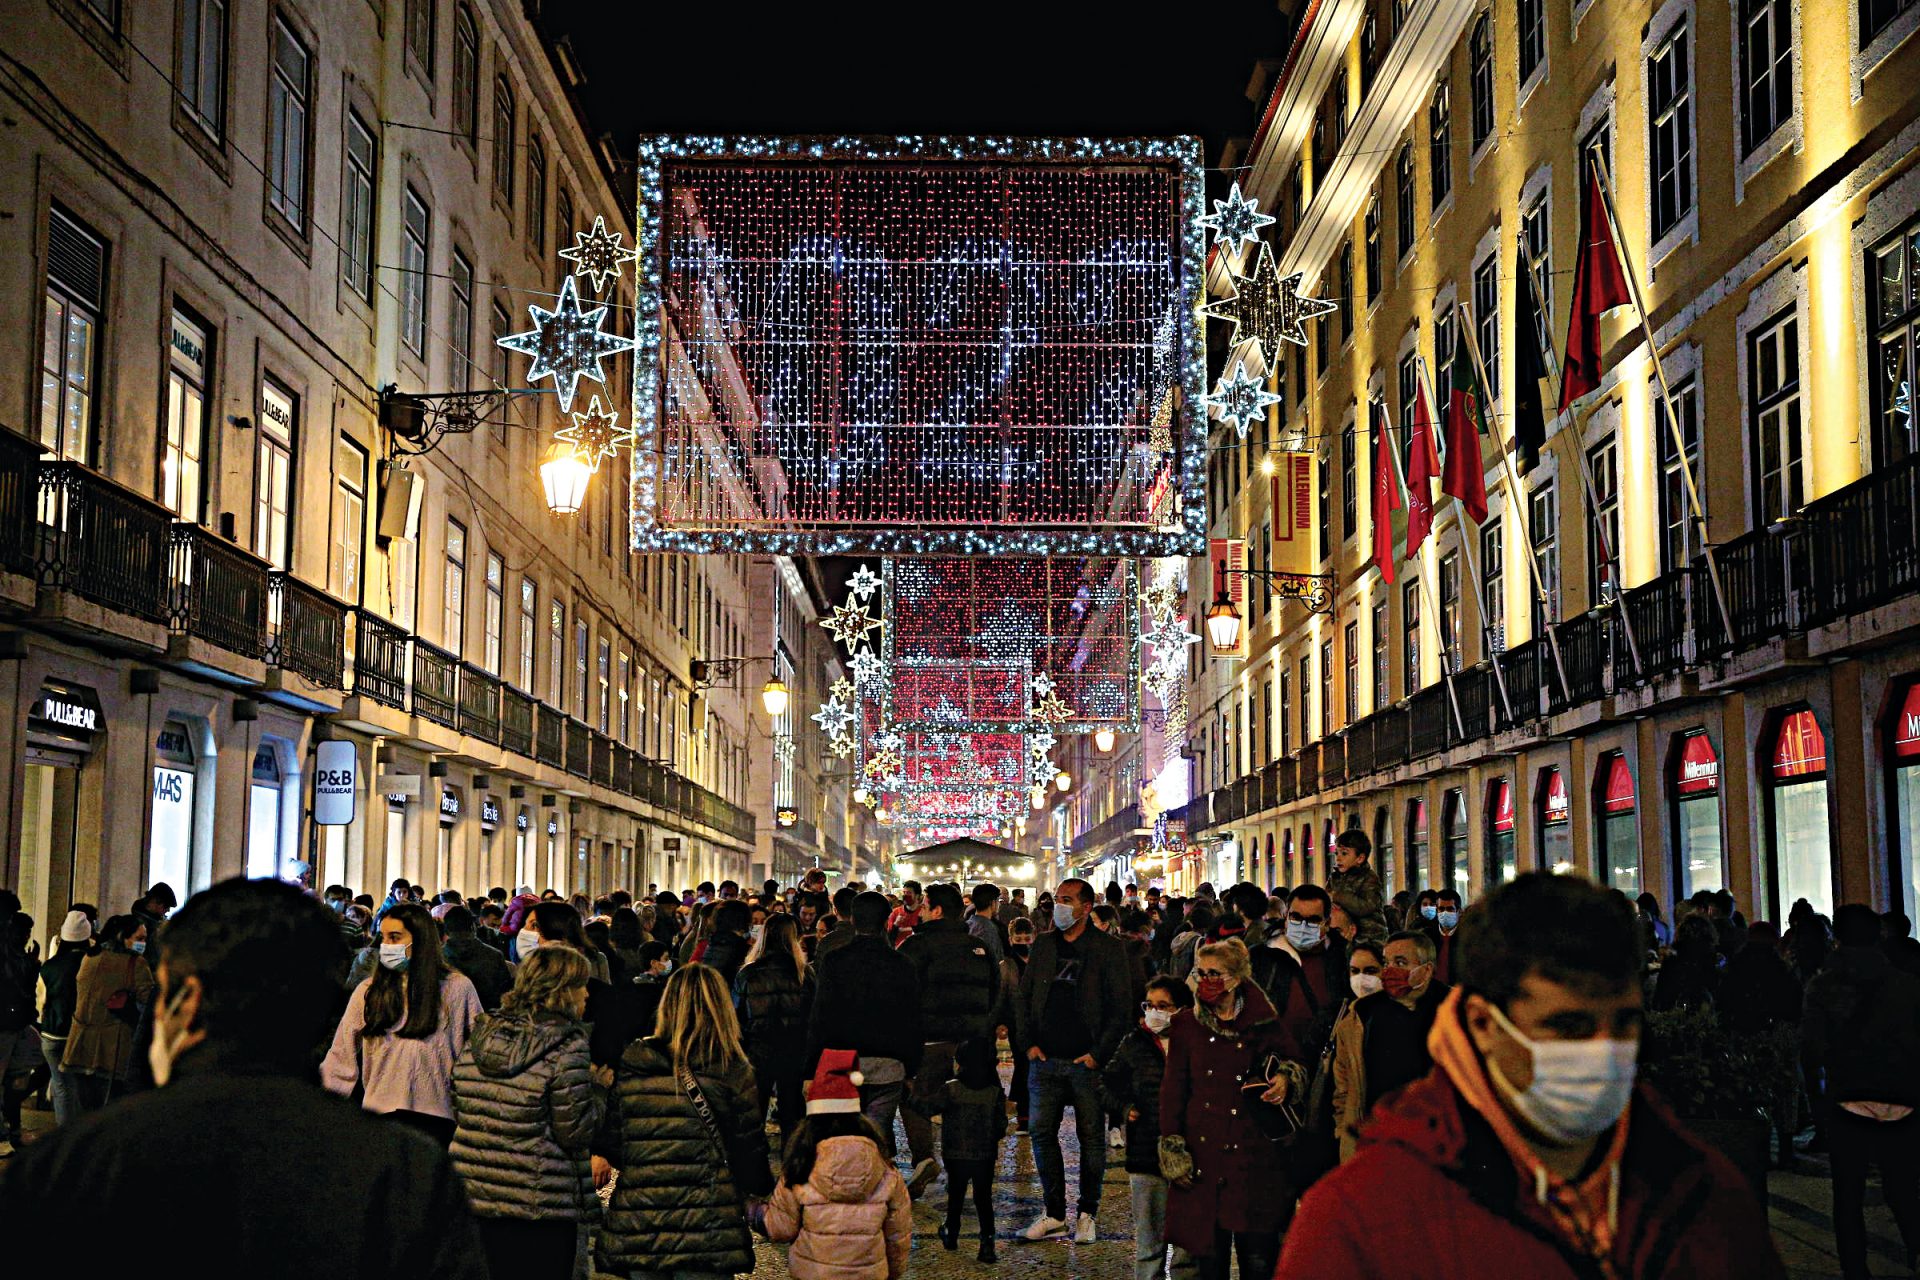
1053, 1086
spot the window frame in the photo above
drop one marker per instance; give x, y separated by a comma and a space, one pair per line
1405, 200
285, 98
1671, 116
1480, 82
359, 181
416, 268
66, 303
198, 102
1782, 331
453, 589
1439, 148
185, 390
466, 76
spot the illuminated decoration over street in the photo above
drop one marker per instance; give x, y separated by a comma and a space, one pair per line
566, 344
1242, 399
1236, 221
919, 346
863, 583
595, 434
1267, 309
597, 253
849, 623
833, 717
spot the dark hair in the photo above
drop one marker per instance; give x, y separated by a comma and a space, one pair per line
1355, 840
1134, 920
706, 886
1454, 895
843, 900
269, 960
947, 898
815, 1128
492, 910
1106, 913
976, 1063
985, 894
600, 934
733, 915
1697, 939
1373, 948
910, 884
1898, 923
1250, 900
1649, 904
386, 1005
457, 920
1200, 919
1082, 890
870, 911
625, 928
1425, 896
1181, 993
1311, 893
1856, 924
1560, 927
559, 922
1423, 944
117, 929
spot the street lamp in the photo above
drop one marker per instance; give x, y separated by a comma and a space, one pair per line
564, 476
1223, 620
1103, 740
1039, 798
773, 696
1062, 780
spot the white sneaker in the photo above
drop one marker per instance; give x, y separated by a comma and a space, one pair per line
1083, 1232
1116, 1138
1046, 1228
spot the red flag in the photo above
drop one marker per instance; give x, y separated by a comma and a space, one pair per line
1465, 477
1599, 285
1423, 465
1386, 495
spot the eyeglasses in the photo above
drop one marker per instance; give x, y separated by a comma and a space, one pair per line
1148, 1006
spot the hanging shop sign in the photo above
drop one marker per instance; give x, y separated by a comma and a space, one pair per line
1618, 796
1699, 772
336, 779
523, 821
670, 844
553, 826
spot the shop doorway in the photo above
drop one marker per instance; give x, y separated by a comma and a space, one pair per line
51, 812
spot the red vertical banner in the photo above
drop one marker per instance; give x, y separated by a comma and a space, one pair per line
1232, 554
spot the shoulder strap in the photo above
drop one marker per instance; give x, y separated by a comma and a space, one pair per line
692, 1089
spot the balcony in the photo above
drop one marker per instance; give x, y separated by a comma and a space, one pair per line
379, 660
600, 748
1475, 692
219, 591
102, 542
1527, 668
1286, 780
551, 745
19, 490
1308, 763
1333, 761
623, 770
1390, 737
310, 638
1862, 544
1586, 645
1429, 721
516, 721
1753, 573
479, 703
579, 749
436, 684
1657, 611
1360, 757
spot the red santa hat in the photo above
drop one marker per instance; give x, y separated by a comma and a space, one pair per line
836, 1083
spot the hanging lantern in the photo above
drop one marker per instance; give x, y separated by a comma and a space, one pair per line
1103, 740
1063, 780
564, 475
773, 696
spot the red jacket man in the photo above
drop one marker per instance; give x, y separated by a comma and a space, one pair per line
1528, 1151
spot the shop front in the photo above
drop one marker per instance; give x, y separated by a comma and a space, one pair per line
1454, 870
1554, 820
65, 731
1618, 824
1694, 781
1503, 851
1799, 837
1419, 854
179, 796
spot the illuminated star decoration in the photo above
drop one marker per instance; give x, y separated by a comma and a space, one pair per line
1236, 220
1241, 398
1267, 309
598, 253
883, 764
783, 747
841, 746
863, 583
1043, 684
842, 690
1051, 710
566, 344
1169, 640
867, 667
849, 624
1903, 403
595, 434
833, 717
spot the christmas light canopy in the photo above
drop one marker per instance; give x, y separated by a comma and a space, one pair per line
566, 344
1236, 221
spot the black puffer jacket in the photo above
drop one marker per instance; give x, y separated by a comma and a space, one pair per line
1131, 1081
868, 1001
773, 1001
726, 952
527, 1114
679, 1206
485, 968
959, 982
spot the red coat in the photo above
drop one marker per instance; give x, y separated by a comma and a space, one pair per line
1432, 1195
1238, 1179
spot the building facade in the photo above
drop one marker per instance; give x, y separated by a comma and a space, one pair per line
1567, 686
232, 226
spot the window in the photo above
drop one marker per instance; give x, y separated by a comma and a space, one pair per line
1320, 152
1286, 713
273, 473
1306, 698
625, 695
1536, 238
496, 611
416, 231
1893, 305
453, 591
603, 673
1322, 345
528, 594
202, 74
563, 227
1493, 581
580, 666
460, 320
1443, 340
419, 33
1419, 849
1410, 679
1296, 196
1339, 110
503, 117
1603, 542
356, 208
1373, 247
466, 76
1503, 858
1619, 826
1480, 65
556, 654
1695, 783
1543, 522
1450, 612
1454, 872
1679, 537
349, 518
1403, 200
1440, 144
502, 370
1323, 481
1800, 855
1766, 69
1408, 388
1352, 638
1382, 694
1349, 481
1670, 124
536, 193
1369, 51
1773, 361
1877, 15
1486, 318
1554, 821
1346, 291
1530, 22
288, 93
190, 357
70, 346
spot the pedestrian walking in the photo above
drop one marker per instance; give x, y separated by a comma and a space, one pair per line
959, 986
973, 1120
684, 1129
1131, 1081
868, 1000
526, 1113
1380, 1041
110, 991
773, 996
404, 1028
840, 1202
485, 968
60, 989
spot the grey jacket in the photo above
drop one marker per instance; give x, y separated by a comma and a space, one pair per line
527, 1111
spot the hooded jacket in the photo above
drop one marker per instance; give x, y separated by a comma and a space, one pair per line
526, 1113
850, 1220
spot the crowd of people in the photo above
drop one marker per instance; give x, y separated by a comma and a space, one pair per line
1313, 1082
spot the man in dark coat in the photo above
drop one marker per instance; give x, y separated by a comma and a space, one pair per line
484, 967
868, 1000
1303, 970
1074, 1005
959, 987
248, 988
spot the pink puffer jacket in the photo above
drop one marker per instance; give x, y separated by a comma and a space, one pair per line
851, 1221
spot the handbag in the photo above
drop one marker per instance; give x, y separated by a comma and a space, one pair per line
122, 1003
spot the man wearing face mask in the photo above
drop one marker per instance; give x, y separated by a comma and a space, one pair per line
1303, 970
248, 987
1386, 1044
1528, 1142
1073, 1007
1440, 927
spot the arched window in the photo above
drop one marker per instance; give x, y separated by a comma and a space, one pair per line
1286, 855
1554, 822
1694, 780
1383, 859
1419, 858
1800, 848
1306, 855
1454, 872
1503, 855
1619, 828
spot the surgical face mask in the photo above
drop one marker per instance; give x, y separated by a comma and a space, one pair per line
138, 948
1304, 934
1209, 989
753, 932
1448, 919
1363, 984
1157, 1019
159, 1050
1429, 911
526, 942
1398, 981
393, 955
1063, 916
1579, 1089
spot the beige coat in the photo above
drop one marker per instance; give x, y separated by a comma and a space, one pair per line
851, 1221
1349, 1077
100, 1042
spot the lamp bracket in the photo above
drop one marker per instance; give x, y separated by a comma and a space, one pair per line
1315, 590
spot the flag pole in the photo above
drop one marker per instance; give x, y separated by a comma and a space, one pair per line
1666, 391
1609, 554
1473, 563
1426, 580
1516, 496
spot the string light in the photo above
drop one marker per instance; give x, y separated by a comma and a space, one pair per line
1236, 221
595, 434
1266, 308
1241, 399
566, 344
597, 253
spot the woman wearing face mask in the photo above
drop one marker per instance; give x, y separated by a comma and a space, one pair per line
526, 1113
1230, 1194
1364, 964
1131, 1084
405, 1027
109, 993
773, 995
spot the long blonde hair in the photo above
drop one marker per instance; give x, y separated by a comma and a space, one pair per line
545, 977
697, 1021
780, 936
